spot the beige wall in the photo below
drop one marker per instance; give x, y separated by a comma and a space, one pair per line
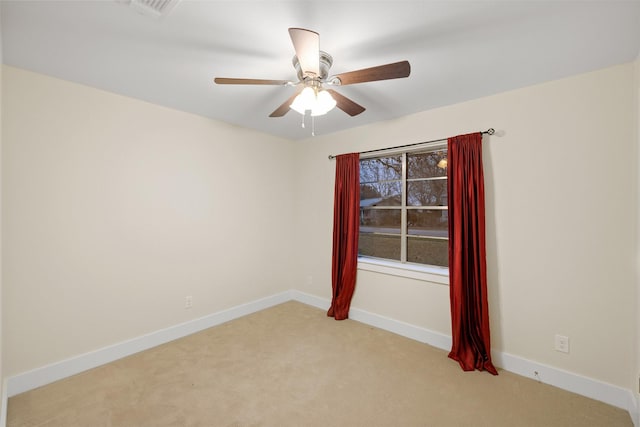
636, 388
1, 312
116, 209
561, 203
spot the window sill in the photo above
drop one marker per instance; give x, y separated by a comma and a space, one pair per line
412, 271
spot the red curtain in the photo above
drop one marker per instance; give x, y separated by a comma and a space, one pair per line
346, 225
467, 255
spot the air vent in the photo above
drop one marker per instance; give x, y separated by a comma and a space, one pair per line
155, 8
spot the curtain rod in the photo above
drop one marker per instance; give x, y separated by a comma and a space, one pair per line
489, 131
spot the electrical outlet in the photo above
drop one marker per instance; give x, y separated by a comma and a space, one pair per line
188, 301
562, 343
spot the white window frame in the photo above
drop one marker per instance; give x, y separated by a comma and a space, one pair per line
424, 272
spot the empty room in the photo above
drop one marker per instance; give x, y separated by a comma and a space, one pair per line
347, 213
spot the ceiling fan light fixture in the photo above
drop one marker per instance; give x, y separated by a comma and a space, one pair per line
324, 103
319, 103
312, 67
304, 101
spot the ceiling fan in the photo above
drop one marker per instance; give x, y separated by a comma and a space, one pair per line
312, 66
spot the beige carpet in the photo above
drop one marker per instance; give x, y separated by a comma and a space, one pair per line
290, 365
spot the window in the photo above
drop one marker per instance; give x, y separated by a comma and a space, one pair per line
403, 207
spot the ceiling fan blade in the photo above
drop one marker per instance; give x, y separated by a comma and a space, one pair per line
228, 81
396, 70
345, 104
307, 46
284, 108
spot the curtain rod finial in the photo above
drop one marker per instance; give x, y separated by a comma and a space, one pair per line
491, 131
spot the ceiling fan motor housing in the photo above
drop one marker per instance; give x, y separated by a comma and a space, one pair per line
326, 61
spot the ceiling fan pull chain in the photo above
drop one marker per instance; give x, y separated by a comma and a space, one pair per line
313, 126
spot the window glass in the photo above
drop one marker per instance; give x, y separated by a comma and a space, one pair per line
427, 193
387, 193
428, 222
427, 165
379, 246
428, 251
386, 221
381, 169
403, 207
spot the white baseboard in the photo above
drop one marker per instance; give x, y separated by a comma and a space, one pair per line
608, 393
47, 374
570, 381
634, 408
312, 300
594, 389
432, 338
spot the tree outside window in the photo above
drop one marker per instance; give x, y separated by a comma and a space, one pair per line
403, 207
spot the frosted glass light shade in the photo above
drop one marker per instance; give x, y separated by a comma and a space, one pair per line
305, 101
324, 103
319, 104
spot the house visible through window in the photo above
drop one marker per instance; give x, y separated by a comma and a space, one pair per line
403, 207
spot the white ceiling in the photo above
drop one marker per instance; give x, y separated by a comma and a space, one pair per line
458, 50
